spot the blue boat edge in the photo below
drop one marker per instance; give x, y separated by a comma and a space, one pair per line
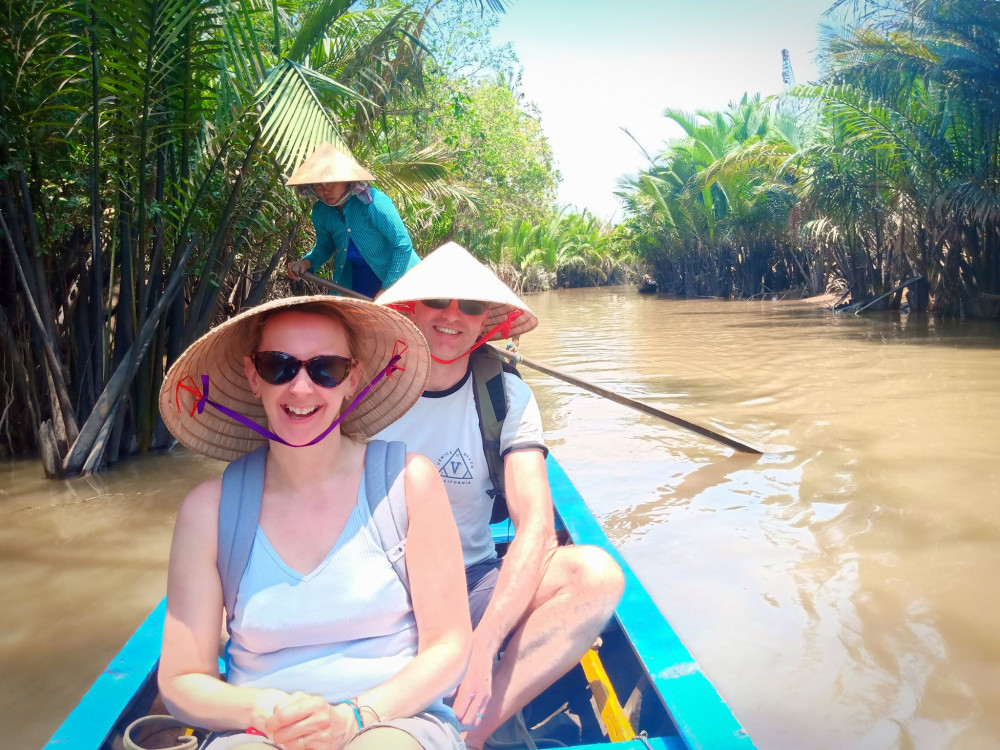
700, 715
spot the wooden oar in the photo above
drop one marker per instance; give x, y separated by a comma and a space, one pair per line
347, 292
630, 402
610, 395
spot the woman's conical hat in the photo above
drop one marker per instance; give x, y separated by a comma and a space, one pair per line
380, 333
451, 272
329, 164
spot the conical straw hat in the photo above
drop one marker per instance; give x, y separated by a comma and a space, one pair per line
219, 354
328, 164
451, 272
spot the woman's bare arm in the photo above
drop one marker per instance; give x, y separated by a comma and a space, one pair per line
188, 676
440, 603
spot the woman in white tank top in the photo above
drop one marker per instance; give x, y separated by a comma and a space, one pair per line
328, 649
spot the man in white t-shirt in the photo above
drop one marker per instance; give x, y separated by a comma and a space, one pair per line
544, 604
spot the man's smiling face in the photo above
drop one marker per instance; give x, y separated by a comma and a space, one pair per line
450, 333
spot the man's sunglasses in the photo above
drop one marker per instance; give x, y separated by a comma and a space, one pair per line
467, 306
278, 368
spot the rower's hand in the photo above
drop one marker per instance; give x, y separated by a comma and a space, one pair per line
296, 268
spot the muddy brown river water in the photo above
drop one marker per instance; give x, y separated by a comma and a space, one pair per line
839, 591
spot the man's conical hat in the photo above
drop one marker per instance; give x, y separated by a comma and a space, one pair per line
451, 272
328, 164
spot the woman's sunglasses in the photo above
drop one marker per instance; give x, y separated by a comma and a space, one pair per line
467, 306
278, 368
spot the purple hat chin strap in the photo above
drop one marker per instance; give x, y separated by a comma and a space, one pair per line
203, 399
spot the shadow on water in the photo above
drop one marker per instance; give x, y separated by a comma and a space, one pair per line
879, 327
626, 523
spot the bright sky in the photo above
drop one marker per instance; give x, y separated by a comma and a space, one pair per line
593, 66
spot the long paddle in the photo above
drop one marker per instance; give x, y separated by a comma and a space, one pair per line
347, 292
630, 402
610, 395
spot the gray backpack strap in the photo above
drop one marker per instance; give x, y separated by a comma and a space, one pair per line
385, 480
239, 514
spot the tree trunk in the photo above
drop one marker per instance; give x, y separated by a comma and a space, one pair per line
58, 391
21, 379
86, 341
93, 436
201, 300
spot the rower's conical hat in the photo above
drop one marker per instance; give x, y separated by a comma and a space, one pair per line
329, 164
451, 272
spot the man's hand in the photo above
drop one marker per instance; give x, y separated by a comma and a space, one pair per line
476, 688
307, 722
296, 268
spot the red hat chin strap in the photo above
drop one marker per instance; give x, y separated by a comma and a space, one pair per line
407, 308
503, 327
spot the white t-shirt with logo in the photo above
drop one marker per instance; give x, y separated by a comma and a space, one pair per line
444, 426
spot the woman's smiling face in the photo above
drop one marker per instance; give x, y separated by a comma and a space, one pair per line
299, 410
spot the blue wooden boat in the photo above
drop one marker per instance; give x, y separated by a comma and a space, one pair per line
644, 678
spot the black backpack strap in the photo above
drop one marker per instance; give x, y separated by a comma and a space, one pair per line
492, 404
239, 514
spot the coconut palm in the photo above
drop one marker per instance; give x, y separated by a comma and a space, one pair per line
184, 114
917, 84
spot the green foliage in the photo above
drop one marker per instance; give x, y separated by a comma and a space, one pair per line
500, 154
564, 249
130, 131
886, 170
143, 151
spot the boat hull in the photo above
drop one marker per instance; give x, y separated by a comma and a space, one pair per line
661, 690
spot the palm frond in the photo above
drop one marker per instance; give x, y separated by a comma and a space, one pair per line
293, 119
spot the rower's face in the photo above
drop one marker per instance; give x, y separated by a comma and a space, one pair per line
449, 332
330, 192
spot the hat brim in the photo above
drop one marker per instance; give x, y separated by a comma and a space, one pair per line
219, 355
452, 272
329, 164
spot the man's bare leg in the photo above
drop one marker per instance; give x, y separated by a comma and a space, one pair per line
577, 595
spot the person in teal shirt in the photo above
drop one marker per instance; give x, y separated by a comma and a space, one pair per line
356, 224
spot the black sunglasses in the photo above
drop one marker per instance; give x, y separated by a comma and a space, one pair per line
278, 368
467, 306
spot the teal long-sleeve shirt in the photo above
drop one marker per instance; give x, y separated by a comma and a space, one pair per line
376, 230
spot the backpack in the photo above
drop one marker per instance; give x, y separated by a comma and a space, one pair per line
492, 402
243, 489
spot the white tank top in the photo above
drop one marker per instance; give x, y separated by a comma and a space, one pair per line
335, 632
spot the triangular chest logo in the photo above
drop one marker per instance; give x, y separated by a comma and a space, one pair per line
455, 467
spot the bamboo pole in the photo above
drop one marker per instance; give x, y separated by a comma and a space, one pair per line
902, 286
572, 380
310, 276
630, 402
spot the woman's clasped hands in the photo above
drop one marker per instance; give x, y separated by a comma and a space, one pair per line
300, 721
